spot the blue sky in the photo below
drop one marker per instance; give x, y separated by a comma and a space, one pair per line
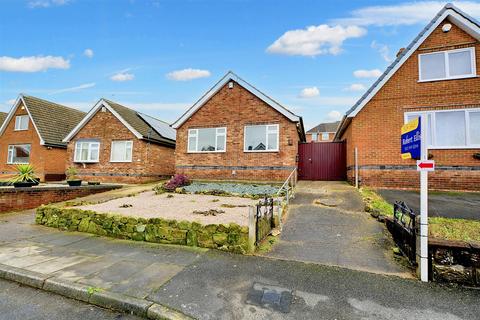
314, 57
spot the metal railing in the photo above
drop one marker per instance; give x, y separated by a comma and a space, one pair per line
288, 188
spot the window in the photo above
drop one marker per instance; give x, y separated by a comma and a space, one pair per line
121, 151
451, 129
314, 136
21, 122
87, 151
452, 64
207, 140
325, 136
19, 153
260, 138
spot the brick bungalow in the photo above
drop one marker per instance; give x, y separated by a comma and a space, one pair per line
324, 132
113, 143
435, 76
32, 133
236, 132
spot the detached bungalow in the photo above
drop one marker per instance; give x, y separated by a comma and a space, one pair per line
324, 132
436, 77
114, 143
237, 132
32, 133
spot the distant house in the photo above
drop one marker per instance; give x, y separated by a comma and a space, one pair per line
324, 132
436, 76
3, 116
114, 143
32, 133
237, 132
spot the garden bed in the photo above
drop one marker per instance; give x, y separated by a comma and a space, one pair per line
235, 189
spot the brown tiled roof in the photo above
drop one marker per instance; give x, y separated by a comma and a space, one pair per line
53, 121
3, 116
134, 119
325, 127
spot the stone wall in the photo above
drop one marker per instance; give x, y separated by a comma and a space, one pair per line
231, 237
454, 262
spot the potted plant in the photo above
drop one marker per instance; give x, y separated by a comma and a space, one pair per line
25, 176
72, 179
476, 156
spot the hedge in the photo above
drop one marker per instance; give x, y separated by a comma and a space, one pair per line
227, 237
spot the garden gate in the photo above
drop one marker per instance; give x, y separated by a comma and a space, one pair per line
322, 161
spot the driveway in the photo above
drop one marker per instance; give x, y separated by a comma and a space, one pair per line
338, 233
461, 205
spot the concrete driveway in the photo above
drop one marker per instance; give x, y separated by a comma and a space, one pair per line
338, 233
461, 205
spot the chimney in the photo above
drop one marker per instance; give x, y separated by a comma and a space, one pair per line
400, 51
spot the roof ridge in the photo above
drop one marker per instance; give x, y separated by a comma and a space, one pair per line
50, 102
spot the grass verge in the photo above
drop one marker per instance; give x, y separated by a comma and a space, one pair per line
374, 203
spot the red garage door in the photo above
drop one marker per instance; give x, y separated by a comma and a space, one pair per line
322, 161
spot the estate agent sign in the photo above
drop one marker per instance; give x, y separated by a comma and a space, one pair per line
411, 139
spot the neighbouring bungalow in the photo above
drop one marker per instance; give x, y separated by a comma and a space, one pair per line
324, 132
236, 132
113, 143
435, 76
32, 133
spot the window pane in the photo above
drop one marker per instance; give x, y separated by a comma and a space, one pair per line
475, 128
221, 143
272, 141
118, 151
460, 63
191, 143
432, 66
314, 137
450, 128
255, 137
324, 136
21, 154
94, 155
206, 139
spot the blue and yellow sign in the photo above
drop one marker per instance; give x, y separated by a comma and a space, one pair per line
411, 139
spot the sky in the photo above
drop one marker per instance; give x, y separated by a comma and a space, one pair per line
158, 57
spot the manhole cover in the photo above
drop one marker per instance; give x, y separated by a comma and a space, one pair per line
330, 202
270, 297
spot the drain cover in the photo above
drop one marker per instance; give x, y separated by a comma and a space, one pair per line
270, 297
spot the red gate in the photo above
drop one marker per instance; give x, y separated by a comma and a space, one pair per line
322, 161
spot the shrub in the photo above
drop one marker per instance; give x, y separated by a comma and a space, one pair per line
25, 173
177, 181
71, 173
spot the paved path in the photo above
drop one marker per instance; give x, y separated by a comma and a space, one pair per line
19, 302
214, 285
462, 205
343, 235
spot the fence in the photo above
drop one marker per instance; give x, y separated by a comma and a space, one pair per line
403, 230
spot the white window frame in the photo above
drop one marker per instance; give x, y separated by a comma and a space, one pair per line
314, 136
277, 129
125, 142
193, 133
18, 122
10, 153
325, 134
467, 112
90, 144
447, 65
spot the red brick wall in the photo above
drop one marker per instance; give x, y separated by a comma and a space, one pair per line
150, 161
331, 135
375, 131
234, 108
46, 160
14, 199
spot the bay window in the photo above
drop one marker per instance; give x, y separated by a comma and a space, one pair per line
451, 129
121, 151
261, 138
207, 139
444, 65
18, 153
87, 151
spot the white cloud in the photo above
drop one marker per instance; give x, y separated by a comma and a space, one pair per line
383, 49
356, 87
76, 88
10, 102
33, 63
315, 40
333, 116
188, 74
408, 13
374, 73
46, 3
88, 53
309, 92
123, 75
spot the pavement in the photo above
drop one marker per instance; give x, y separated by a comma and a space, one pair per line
326, 224
47, 306
461, 205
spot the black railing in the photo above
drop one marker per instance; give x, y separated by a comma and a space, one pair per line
263, 219
403, 230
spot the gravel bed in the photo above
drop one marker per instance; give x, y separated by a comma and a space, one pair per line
236, 188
